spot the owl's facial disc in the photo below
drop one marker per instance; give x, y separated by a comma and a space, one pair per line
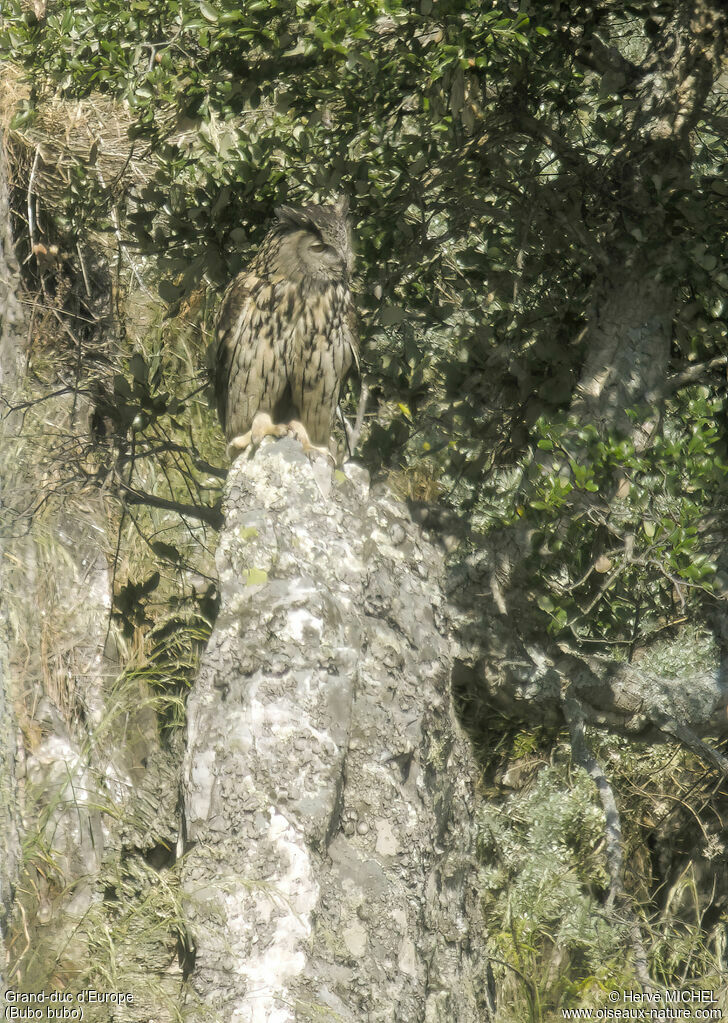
326, 253
321, 259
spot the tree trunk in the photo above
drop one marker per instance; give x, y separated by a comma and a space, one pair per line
629, 334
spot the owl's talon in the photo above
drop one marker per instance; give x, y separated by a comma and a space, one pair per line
316, 452
263, 426
237, 445
298, 430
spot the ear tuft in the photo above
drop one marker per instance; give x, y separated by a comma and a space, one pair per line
291, 216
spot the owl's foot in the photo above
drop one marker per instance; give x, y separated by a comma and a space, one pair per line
262, 426
298, 430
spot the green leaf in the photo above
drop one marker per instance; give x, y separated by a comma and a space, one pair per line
208, 11
390, 315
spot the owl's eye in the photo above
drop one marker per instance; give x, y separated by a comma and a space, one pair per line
318, 246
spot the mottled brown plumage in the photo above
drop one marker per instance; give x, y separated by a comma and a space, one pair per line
286, 331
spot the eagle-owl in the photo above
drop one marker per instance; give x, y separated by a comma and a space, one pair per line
286, 331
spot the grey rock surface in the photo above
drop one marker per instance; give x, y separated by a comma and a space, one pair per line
328, 791
85, 789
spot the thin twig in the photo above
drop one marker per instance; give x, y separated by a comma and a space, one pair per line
684, 734
613, 828
31, 185
353, 433
122, 246
83, 270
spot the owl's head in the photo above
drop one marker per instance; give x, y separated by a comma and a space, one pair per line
314, 242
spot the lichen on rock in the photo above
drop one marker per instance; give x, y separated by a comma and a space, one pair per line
328, 790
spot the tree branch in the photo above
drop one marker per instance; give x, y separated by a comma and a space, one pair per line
562, 147
210, 514
612, 833
687, 737
591, 52
691, 375
613, 828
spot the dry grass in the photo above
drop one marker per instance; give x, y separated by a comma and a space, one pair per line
13, 90
92, 132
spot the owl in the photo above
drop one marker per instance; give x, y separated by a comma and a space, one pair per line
286, 332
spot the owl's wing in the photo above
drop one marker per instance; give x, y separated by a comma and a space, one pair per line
351, 334
250, 372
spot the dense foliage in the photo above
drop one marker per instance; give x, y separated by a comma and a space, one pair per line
498, 165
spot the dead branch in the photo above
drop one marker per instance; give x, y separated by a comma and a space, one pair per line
612, 833
210, 514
